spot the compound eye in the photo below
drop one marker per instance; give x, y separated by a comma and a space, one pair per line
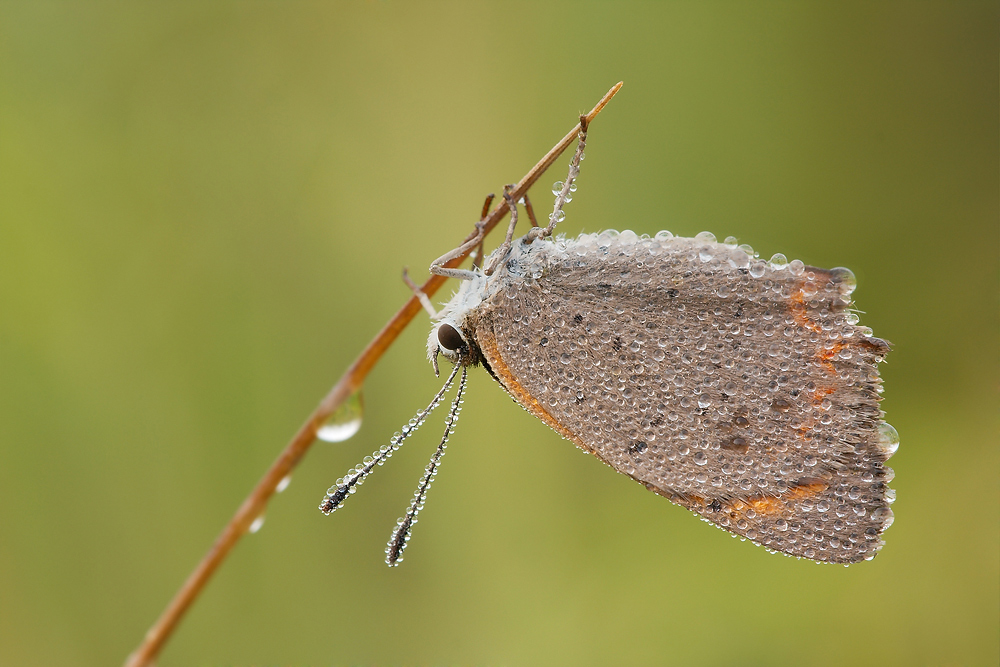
449, 337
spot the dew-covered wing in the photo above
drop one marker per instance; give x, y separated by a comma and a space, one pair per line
742, 390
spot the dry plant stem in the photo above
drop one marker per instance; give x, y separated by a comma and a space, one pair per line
530, 210
349, 383
477, 255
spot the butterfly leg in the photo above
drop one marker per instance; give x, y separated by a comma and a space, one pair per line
419, 293
476, 242
565, 194
501, 252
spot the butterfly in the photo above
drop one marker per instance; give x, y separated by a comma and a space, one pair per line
741, 389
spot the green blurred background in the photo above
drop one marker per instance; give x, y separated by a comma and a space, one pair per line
204, 210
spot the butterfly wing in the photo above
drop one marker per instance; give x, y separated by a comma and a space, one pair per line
742, 391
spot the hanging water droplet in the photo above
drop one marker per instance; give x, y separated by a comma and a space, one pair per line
844, 279
344, 422
888, 439
257, 523
557, 188
283, 484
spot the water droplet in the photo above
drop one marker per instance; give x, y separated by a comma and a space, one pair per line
344, 422
883, 514
731, 241
778, 261
705, 237
844, 279
796, 266
257, 523
700, 458
557, 188
283, 484
888, 439
738, 258
757, 269
558, 216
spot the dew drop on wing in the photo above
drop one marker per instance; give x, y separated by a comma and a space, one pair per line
888, 439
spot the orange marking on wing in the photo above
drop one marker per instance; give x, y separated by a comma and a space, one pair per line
768, 505
806, 490
800, 310
827, 356
833, 351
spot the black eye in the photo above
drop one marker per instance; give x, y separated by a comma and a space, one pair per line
449, 337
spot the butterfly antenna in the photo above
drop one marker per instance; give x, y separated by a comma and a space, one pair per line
355, 477
401, 535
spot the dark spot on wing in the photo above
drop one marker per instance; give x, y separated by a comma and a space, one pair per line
736, 444
637, 448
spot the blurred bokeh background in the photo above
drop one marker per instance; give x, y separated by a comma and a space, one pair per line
204, 210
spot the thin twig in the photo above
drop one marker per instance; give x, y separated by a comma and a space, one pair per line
530, 209
352, 379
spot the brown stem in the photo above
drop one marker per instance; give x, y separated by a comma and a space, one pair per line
350, 381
